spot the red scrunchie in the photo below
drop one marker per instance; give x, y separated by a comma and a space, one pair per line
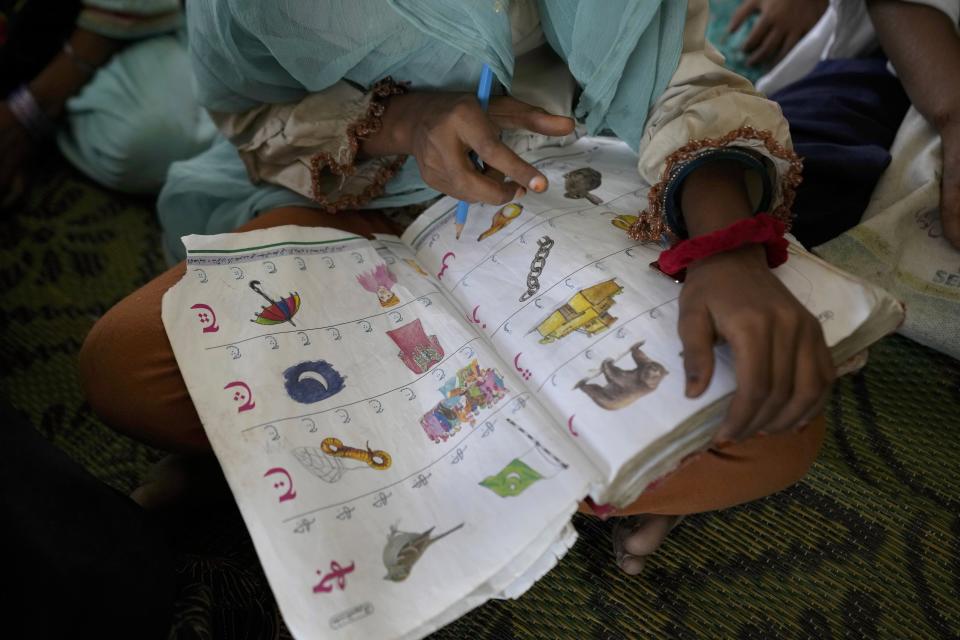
760, 229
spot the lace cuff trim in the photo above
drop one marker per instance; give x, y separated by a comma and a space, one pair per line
651, 225
368, 124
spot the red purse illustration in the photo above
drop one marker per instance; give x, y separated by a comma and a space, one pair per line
417, 350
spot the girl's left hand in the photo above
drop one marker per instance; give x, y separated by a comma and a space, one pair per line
782, 364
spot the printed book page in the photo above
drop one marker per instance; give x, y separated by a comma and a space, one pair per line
570, 302
393, 471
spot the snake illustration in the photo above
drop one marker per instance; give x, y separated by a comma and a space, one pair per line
378, 460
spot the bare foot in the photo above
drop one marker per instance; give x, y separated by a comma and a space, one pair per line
636, 537
182, 479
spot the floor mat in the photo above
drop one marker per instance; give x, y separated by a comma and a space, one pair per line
867, 546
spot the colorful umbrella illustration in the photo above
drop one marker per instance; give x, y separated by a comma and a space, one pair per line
279, 311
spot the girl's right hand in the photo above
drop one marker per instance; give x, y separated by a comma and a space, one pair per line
441, 129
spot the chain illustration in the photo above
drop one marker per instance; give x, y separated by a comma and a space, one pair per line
545, 244
378, 460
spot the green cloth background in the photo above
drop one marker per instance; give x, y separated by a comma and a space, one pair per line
729, 44
867, 546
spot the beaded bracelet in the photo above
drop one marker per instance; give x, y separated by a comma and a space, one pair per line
28, 113
760, 229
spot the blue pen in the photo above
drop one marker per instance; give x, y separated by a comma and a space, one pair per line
483, 95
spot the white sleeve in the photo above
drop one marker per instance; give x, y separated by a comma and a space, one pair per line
709, 112
310, 146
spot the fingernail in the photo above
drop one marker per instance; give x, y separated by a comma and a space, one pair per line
631, 565
538, 184
692, 380
520, 193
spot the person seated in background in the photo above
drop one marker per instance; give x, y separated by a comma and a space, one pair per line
911, 43
754, 35
873, 101
108, 80
315, 129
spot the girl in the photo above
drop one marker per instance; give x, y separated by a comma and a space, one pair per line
315, 129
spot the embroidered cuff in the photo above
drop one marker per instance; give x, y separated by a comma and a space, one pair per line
369, 179
750, 160
662, 222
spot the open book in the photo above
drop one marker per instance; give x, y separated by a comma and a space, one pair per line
408, 425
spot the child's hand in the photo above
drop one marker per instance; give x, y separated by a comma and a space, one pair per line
783, 367
440, 129
782, 364
781, 25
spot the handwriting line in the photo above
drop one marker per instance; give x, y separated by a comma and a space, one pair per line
329, 326
362, 400
453, 448
607, 334
527, 227
558, 283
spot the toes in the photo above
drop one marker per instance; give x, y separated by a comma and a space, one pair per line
646, 536
631, 565
623, 528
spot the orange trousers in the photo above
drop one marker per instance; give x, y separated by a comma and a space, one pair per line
131, 380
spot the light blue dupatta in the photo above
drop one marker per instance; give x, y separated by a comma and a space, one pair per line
246, 52
251, 52
622, 52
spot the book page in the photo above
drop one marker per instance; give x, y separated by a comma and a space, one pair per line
571, 303
392, 470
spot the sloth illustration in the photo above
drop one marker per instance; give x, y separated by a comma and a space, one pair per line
624, 386
580, 182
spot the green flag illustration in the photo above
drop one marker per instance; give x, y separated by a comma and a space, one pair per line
512, 480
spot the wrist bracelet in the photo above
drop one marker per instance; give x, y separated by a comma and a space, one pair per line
28, 113
79, 62
760, 229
